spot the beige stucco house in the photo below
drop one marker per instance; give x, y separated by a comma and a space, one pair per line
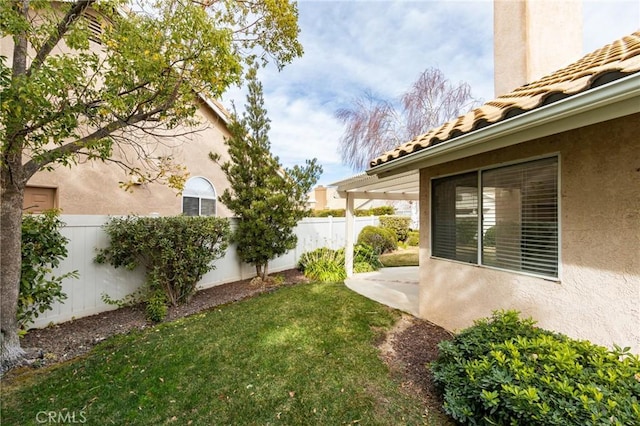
96, 188
532, 202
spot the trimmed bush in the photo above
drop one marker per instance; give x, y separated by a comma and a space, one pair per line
175, 251
504, 370
413, 238
398, 224
382, 210
43, 248
381, 240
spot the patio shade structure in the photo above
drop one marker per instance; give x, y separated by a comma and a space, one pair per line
403, 186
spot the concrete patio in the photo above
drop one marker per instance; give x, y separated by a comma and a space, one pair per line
394, 287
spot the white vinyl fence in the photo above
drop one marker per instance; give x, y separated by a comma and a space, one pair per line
85, 234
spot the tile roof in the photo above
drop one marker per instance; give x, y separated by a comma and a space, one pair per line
609, 63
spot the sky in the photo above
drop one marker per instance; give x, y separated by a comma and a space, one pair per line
382, 46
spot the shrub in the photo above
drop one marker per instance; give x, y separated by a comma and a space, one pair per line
365, 254
375, 211
398, 224
43, 248
381, 240
504, 370
382, 210
490, 237
413, 238
175, 251
327, 265
323, 264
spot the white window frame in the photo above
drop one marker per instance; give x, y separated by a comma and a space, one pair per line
479, 172
200, 196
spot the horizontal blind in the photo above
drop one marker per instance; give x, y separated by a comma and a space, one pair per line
455, 217
207, 207
520, 217
190, 206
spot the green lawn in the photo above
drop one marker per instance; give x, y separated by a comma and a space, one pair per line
401, 257
301, 355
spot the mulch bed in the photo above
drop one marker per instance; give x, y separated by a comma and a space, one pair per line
407, 348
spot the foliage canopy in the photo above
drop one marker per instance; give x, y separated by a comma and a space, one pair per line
104, 79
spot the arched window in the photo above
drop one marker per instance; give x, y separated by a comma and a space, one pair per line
199, 198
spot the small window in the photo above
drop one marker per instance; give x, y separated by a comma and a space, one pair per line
517, 228
199, 198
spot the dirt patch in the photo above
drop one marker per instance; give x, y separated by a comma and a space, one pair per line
408, 348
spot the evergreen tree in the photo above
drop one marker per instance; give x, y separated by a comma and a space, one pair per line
267, 199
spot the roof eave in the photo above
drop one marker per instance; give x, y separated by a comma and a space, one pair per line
609, 101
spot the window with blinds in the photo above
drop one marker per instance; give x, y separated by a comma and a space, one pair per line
518, 221
199, 198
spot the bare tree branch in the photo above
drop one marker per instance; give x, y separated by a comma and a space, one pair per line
32, 166
374, 126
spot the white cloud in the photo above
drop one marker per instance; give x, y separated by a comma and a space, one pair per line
382, 46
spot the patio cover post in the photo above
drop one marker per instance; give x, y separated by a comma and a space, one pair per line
348, 250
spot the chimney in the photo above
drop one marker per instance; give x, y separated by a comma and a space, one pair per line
533, 38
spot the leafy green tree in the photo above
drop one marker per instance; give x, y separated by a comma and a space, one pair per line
267, 200
71, 93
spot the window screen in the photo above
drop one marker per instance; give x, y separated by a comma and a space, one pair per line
518, 224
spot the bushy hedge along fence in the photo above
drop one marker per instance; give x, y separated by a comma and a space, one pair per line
175, 251
43, 248
374, 211
400, 225
382, 240
506, 371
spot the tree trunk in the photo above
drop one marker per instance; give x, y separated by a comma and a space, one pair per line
261, 270
10, 263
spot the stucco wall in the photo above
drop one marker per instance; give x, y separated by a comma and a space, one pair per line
93, 187
526, 39
597, 296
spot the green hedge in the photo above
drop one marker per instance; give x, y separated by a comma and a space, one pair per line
375, 211
176, 252
398, 224
382, 240
413, 238
43, 248
505, 371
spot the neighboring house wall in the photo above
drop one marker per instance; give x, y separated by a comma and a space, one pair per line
93, 187
597, 296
